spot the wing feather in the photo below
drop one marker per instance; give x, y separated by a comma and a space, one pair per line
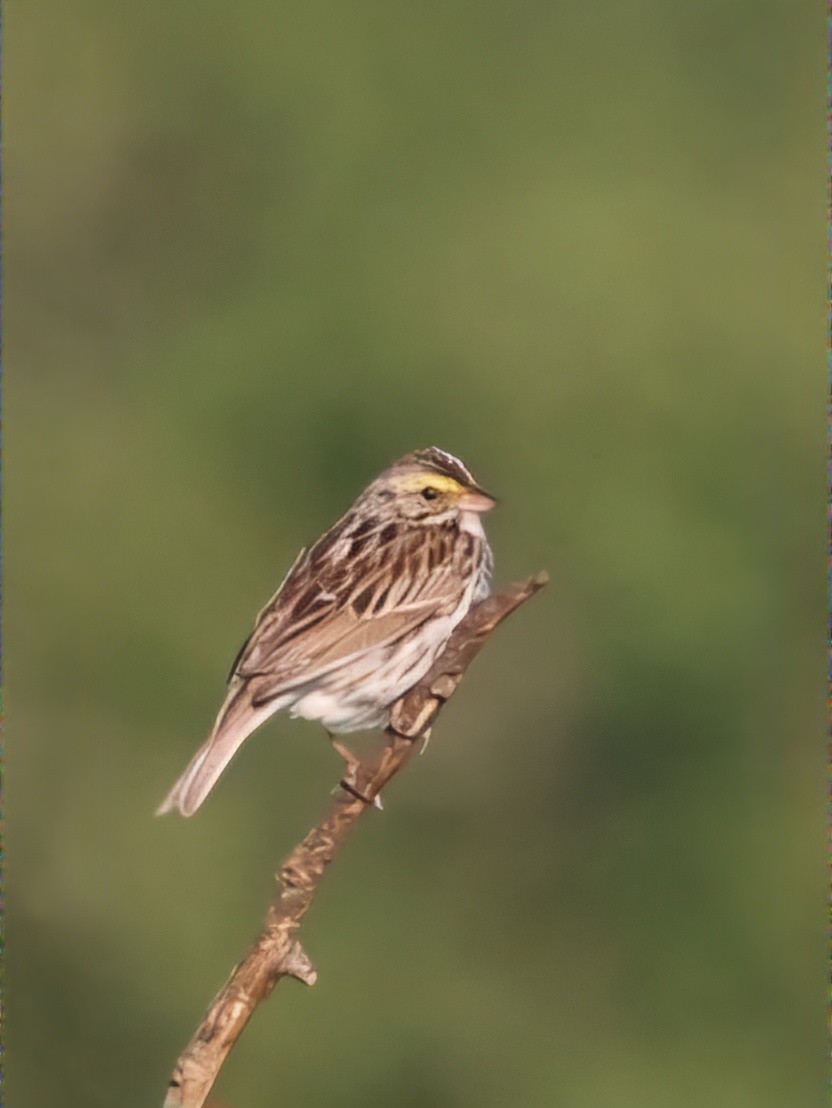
330, 612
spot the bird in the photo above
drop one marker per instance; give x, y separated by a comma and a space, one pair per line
361, 615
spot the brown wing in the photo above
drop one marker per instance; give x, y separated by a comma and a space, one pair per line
354, 591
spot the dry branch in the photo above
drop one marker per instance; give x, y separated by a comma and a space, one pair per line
277, 953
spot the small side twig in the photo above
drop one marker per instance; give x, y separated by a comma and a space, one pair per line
277, 953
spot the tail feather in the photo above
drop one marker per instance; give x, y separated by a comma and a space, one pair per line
235, 723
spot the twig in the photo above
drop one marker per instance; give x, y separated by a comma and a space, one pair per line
277, 953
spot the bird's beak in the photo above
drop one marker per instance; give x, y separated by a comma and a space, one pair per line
476, 499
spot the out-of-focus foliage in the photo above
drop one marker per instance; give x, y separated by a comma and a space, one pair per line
255, 252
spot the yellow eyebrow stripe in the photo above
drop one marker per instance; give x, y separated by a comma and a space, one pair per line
412, 482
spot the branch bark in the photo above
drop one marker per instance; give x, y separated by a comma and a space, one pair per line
277, 953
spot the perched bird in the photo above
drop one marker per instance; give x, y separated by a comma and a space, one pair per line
360, 617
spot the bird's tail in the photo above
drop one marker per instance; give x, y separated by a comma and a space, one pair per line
236, 721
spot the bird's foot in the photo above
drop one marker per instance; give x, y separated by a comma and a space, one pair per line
349, 780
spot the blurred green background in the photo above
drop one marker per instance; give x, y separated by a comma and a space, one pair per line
255, 252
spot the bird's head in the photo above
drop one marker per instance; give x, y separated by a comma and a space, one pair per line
431, 485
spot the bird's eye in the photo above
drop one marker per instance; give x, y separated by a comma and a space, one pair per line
430, 493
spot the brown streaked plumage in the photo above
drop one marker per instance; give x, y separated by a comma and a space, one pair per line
360, 616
